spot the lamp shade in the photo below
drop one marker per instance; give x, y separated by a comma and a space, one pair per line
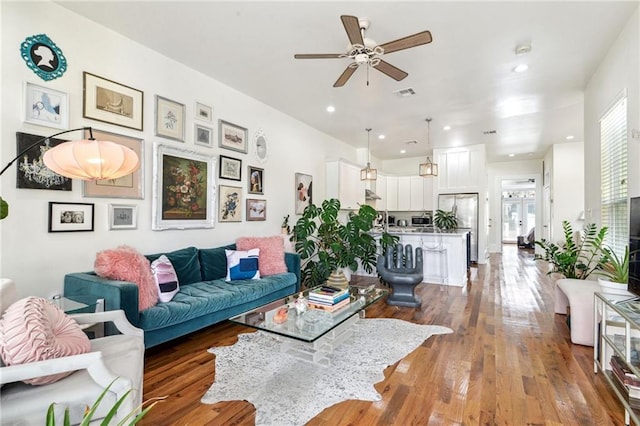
368, 173
90, 159
428, 168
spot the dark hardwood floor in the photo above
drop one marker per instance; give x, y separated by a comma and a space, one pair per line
510, 361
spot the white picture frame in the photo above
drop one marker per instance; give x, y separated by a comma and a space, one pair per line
45, 106
203, 112
170, 119
203, 135
170, 166
123, 216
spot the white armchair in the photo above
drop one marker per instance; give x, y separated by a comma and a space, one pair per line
118, 357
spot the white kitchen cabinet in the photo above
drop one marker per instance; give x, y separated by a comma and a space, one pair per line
404, 193
343, 183
427, 193
416, 202
392, 193
461, 169
381, 190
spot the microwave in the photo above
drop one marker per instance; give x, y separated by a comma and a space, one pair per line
420, 220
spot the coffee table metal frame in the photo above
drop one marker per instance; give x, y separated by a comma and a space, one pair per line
314, 334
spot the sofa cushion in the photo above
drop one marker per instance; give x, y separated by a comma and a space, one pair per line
34, 329
271, 253
185, 262
213, 262
202, 298
242, 265
165, 277
127, 264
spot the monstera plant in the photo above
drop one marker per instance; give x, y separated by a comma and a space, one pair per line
4, 208
325, 244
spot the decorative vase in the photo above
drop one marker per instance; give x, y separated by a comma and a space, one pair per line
338, 279
611, 287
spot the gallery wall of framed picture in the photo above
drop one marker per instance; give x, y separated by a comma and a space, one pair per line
116, 103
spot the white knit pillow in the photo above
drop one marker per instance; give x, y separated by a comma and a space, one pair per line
34, 329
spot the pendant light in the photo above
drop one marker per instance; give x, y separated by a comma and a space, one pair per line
428, 168
368, 173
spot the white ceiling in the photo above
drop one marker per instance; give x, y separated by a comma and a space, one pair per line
463, 78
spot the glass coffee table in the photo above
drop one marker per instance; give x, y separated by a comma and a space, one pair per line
314, 334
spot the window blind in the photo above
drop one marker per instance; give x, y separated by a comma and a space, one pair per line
613, 171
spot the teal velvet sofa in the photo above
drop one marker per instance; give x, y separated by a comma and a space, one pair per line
205, 298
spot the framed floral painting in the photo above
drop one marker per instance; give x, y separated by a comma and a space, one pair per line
183, 189
230, 204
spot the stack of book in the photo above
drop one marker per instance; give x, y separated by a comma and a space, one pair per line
328, 298
628, 382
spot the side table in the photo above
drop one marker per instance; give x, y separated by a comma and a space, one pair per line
83, 304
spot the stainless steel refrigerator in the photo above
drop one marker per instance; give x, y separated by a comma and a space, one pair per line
466, 207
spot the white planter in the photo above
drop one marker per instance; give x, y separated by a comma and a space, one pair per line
611, 287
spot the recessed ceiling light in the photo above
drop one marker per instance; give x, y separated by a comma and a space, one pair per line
331, 108
447, 127
570, 137
512, 155
381, 136
521, 68
403, 151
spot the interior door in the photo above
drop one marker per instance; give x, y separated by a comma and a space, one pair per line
511, 220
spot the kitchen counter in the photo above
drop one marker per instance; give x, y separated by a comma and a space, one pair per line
445, 254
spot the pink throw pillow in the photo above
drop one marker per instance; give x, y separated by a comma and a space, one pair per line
127, 264
271, 253
34, 329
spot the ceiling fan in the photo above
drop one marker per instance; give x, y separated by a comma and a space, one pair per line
365, 51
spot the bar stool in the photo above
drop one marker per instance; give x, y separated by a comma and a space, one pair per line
433, 246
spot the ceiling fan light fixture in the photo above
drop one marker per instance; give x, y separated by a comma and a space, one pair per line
428, 168
368, 173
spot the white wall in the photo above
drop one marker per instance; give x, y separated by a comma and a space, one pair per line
37, 260
618, 71
567, 183
497, 172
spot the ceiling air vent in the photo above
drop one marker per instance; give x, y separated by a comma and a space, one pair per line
489, 132
405, 93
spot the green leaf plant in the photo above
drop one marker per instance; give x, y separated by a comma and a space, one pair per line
325, 244
446, 220
576, 259
132, 418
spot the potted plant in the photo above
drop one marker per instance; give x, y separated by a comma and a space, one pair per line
576, 259
325, 245
615, 272
446, 220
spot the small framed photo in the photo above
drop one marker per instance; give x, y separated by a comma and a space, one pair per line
230, 204
45, 106
169, 119
256, 180
303, 188
230, 168
204, 112
232, 137
111, 102
256, 209
203, 135
123, 216
70, 217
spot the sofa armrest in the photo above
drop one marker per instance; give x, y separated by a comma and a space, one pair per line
292, 260
116, 294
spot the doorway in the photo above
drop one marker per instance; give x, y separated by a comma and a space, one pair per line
518, 209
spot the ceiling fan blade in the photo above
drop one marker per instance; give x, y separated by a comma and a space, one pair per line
406, 42
352, 27
388, 69
318, 55
344, 77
